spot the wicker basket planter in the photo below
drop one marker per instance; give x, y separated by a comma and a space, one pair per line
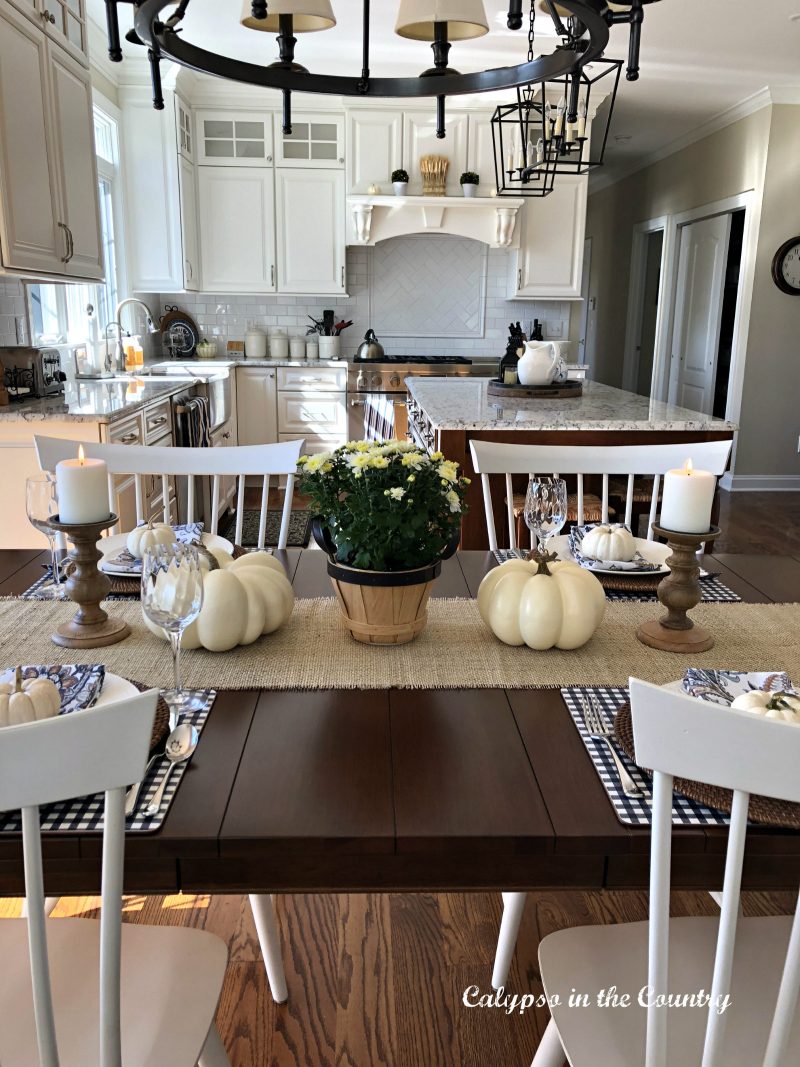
380, 607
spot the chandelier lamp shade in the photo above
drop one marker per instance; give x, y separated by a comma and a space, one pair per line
569, 70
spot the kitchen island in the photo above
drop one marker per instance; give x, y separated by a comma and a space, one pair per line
445, 414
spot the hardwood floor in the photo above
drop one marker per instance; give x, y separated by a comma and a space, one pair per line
377, 981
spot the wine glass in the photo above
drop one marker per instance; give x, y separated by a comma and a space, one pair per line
172, 595
41, 505
545, 508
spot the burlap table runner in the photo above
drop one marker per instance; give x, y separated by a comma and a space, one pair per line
456, 651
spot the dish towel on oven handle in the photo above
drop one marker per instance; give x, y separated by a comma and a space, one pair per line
194, 422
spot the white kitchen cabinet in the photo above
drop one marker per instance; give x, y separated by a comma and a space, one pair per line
185, 128
256, 405
310, 224
374, 149
73, 129
224, 437
315, 141
65, 23
159, 200
234, 138
30, 236
480, 156
318, 414
236, 212
549, 262
419, 139
191, 247
312, 379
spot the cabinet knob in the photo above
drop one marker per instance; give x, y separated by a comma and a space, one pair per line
226, 436
48, 16
269, 159
341, 159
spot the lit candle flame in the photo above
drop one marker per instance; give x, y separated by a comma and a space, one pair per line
688, 466
81, 456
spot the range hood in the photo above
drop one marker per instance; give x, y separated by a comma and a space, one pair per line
489, 219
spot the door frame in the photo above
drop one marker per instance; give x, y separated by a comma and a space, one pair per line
745, 201
586, 308
633, 327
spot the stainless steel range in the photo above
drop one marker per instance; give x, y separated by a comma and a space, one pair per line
376, 386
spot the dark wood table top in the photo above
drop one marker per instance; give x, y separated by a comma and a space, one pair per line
401, 789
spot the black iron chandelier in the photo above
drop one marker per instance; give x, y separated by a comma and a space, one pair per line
584, 38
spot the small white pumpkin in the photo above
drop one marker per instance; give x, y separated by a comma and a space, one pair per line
785, 707
29, 701
144, 537
244, 599
609, 542
542, 602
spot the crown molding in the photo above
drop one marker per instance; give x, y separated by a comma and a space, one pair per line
765, 97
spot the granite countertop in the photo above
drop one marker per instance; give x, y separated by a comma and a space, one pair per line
95, 401
464, 404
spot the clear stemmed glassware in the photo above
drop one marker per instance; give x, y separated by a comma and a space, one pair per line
41, 506
546, 508
172, 595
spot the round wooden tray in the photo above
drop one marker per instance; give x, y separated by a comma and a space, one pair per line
562, 391
762, 809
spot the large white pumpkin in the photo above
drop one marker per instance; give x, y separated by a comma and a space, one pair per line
242, 600
606, 542
542, 603
147, 536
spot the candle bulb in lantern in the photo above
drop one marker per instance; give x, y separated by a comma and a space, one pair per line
540, 151
82, 488
582, 120
562, 110
688, 500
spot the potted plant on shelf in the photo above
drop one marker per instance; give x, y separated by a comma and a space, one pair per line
400, 182
387, 515
469, 182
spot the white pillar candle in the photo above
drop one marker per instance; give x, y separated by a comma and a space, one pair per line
82, 488
582, 119
688, 499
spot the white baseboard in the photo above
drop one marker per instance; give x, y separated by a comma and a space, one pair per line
760, 483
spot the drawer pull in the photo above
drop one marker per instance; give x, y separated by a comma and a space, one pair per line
159, 421
129, 438
226, 436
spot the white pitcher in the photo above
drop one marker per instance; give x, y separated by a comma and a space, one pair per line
539, 364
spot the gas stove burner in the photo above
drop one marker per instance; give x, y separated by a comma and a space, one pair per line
425, 360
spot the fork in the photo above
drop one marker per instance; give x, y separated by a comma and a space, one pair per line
602, 731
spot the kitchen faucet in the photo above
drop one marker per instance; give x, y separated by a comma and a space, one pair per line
151, 326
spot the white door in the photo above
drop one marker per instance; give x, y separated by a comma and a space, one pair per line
30, 236
550, 258
309, 210
256, 405
702, 260
191, 257
74, 136
374, 149
236, 213
419, 139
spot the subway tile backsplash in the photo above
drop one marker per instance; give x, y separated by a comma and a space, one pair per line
12, 308
226, 317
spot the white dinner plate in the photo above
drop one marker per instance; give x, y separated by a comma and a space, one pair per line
653, 552
111, 546
115, 688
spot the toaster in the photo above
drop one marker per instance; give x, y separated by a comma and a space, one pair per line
32, 373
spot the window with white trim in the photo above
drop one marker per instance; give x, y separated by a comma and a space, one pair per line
58, 312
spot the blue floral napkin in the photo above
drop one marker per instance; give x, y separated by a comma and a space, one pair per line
79, 684
186, 533
722, 687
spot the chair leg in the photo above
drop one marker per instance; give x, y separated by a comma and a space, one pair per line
270, 941
550, 1052
513, 907
49, 906
213, 1054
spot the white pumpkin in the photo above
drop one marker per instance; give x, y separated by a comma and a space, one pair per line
541, 602
144, 537
609, 542
785, 707
246, 598
29, 701
223, 559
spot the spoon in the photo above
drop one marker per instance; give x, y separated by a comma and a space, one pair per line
132, 796
181, 743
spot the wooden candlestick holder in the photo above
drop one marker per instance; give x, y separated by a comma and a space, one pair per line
679, 592
87, 586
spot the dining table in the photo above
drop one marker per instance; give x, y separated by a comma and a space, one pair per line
351, 790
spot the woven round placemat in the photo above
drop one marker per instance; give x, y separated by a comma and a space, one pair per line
762, 809
122, 586
621, 583
161, 721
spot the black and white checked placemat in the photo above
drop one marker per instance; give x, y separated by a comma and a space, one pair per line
32, 592
714, 591
633, 811
85, 814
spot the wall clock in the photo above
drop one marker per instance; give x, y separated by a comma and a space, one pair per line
786, 267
